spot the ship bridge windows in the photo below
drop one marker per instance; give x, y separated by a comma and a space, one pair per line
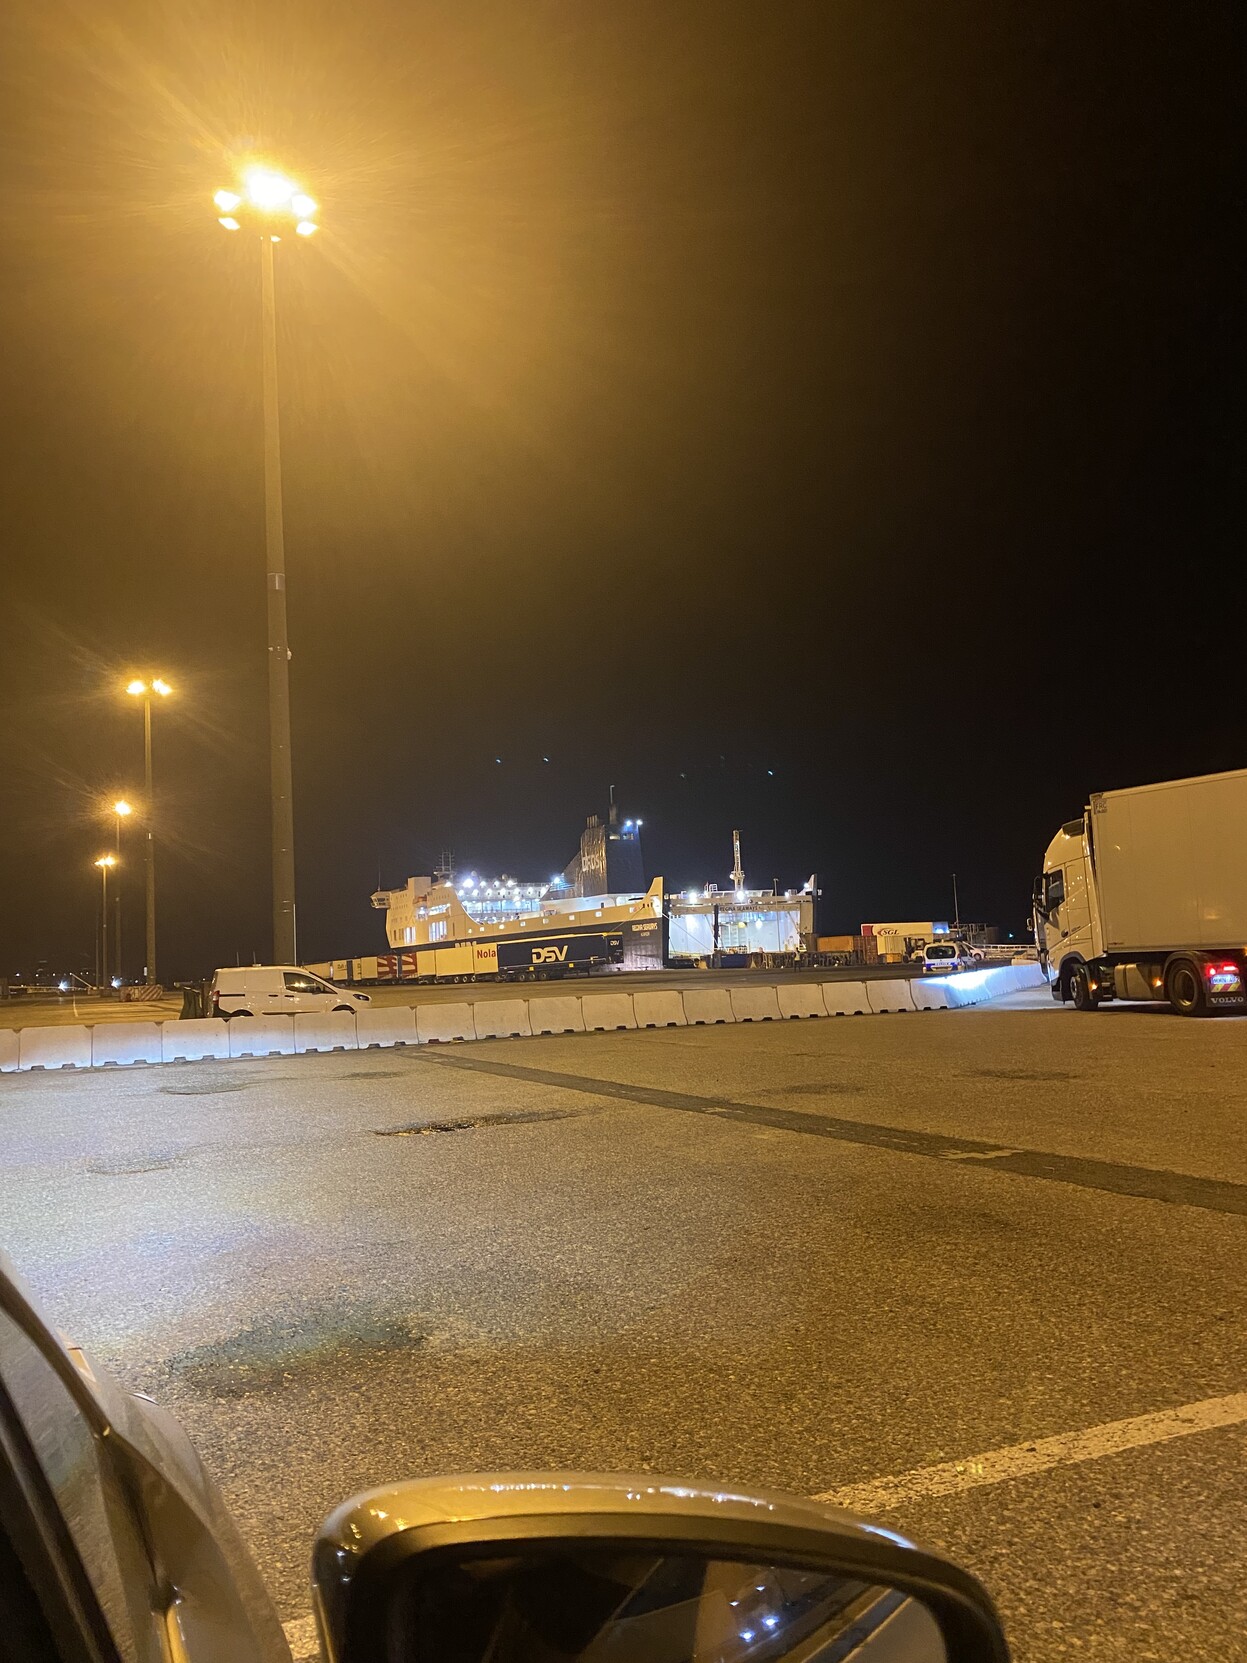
437, 929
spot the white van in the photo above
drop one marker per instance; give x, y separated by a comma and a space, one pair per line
262, 989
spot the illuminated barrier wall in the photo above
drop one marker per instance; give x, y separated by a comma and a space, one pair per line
117, 1044
800, 999
325, 1031
125, 1042
556, 1014
889, 995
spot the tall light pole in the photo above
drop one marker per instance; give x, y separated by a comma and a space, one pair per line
122, 810
105, 864
266, 204
140, 689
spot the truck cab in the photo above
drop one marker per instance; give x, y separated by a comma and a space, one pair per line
1067, 925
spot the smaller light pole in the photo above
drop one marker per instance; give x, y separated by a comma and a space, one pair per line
122, 810
105, 864
139, 689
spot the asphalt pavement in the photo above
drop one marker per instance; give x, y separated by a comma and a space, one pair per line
807, 1256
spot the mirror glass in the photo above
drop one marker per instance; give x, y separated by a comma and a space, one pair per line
571, 1602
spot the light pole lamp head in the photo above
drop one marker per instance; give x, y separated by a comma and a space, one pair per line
266, 201
140, 689
121, 808
106, 861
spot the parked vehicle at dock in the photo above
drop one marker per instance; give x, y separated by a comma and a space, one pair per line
1145, 897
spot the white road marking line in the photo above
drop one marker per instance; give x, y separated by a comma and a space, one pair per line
884, 1495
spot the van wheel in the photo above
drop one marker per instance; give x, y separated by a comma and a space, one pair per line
1086, 997
1184, 988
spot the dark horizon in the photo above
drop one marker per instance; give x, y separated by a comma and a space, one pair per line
825, 422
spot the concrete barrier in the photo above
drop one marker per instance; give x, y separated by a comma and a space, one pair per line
125, 1042
325, 1031
800, 999
755, 1004
659, 1010
384, 1025
261, 1036
932, 993
560, 1013
845, 998
606, 1011
195, 1040
501, 1019
889, 994
67, 1047
704, 1006
202, 1038
439, 1024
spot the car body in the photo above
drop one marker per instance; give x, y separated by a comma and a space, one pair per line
114, 1541
278, 990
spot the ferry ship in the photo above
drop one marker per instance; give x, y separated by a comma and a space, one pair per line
598, 915
588, 918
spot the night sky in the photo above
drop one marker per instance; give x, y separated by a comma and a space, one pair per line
825, 419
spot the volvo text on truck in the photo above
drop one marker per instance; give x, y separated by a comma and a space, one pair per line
1145, 897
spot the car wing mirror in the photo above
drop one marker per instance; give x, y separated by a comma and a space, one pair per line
583, 1568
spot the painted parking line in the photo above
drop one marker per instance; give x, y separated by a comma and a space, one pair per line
996, 1466
884, 1495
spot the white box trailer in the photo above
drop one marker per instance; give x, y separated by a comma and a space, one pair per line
1145, 897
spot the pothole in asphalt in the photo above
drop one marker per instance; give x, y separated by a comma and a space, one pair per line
123, 1165
276, 1352
476, 1122
1019, 1074
204, 1091
829, 1088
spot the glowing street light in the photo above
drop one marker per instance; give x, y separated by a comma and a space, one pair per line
267, 203
139, 689
122, 810
105, 864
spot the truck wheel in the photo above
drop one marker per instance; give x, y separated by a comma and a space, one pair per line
1086, 997
1184, 988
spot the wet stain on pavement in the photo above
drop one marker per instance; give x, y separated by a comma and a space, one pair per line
280, 1352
